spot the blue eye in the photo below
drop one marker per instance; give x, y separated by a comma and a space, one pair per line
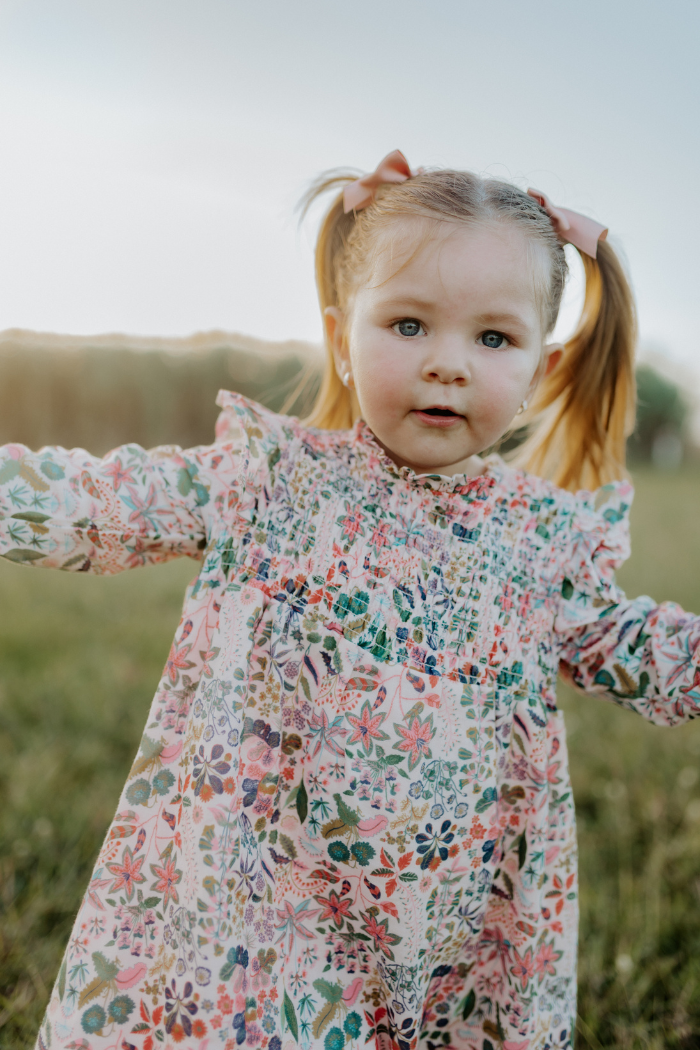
408, 327
493, 340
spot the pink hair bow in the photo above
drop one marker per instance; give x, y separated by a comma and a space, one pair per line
394, 168
573, 228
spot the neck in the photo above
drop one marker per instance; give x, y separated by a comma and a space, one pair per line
472, 466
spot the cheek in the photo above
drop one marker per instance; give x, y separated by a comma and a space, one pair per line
503, 384
380, 371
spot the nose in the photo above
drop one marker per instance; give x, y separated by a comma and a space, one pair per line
446, 362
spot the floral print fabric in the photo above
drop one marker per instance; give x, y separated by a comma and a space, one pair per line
350, 819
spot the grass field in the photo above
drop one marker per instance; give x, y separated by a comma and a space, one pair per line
79, 659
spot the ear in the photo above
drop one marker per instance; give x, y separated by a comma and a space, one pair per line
334, 324
552, 356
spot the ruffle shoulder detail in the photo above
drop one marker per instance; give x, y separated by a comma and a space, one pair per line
242, 420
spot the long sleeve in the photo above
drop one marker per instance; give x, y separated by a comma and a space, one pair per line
639, 654
70, 510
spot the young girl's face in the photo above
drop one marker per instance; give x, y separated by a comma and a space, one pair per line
444, 342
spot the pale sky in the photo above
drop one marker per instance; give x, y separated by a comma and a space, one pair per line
152, 151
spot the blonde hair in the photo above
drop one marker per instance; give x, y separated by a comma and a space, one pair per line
584, 410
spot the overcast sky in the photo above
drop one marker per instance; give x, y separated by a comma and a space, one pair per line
152, 151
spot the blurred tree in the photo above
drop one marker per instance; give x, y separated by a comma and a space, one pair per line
662, 413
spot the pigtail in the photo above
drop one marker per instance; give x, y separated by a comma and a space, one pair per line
584, 411
334, 408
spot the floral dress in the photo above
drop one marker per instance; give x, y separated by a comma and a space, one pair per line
350, 820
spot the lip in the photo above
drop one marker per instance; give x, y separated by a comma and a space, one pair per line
440, 422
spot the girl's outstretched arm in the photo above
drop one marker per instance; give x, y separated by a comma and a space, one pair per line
635, 652
70, 510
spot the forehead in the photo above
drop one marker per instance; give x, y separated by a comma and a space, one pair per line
487, 264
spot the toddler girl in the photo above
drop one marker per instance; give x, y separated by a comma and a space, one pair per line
350, 820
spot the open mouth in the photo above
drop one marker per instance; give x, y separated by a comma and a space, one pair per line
438, 416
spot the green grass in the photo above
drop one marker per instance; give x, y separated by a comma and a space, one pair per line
79, 659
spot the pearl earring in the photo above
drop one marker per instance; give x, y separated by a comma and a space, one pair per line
346, 379
522, 408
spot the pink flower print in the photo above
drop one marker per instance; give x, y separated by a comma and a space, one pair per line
143, 511
167, 877
127, 873
524, 967
119, 474
416, 740
325, 732
379, 931
336, 908
177, 661
366, 727
289, 923
545, 960
552, 773
352, 524
380, 536
225, 1004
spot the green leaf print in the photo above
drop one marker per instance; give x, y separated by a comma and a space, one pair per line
302, 802
469, 1004
290, 1016
33, 516
349, 816
9, 470
20, 556
332, 993
324, 1018
488, 798
522, 850
288, 846
184, 481
104, 969
273, 457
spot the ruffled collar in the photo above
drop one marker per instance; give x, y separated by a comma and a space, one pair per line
370, 459
376, 461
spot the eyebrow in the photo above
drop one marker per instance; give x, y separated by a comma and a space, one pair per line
409, 300
503, 318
